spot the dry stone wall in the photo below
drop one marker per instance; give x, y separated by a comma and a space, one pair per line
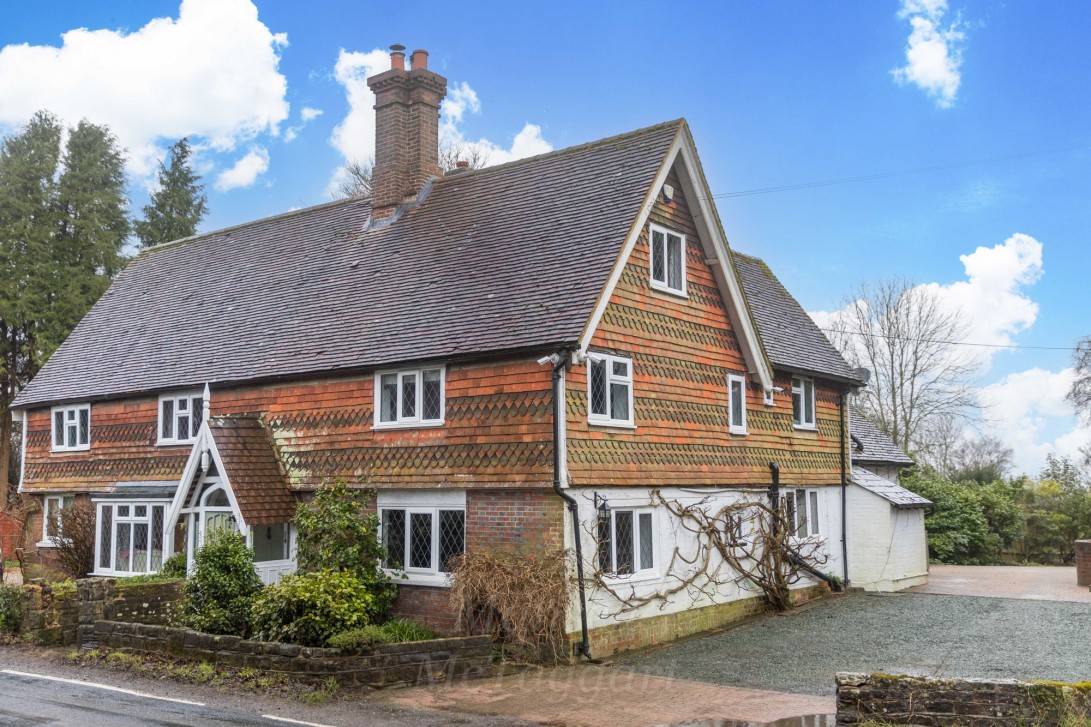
934, 702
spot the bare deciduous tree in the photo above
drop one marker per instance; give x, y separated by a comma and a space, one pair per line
356, 178
920, 389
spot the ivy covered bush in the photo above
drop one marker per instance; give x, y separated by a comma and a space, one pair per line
11, 607
218, 597
335, 532
310, 607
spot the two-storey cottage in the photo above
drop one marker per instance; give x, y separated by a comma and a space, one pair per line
509, 356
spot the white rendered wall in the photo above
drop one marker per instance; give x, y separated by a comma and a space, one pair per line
887, 549
603, 608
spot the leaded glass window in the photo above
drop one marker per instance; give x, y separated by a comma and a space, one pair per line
610, 390
408, 398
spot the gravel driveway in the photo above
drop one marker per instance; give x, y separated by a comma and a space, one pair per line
911, 633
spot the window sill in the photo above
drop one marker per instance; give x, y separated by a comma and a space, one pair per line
46, 544
175, 442
805, 428
407, 425
664, 288
611, 424
645, 576
70, 449
433, 580
736, 430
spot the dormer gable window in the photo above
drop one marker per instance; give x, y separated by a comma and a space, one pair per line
71, 428
668, 260
180, 417
409, 398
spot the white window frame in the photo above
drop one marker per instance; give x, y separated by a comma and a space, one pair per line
71, 415
664, 285
813, 514
806, 418
195, 402
639, 573
132, 519
425, 502
56, 503
403, 422
733, 379
611, 378
767, 398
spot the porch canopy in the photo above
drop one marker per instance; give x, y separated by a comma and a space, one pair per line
234, 478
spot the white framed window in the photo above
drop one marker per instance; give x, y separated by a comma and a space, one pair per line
421, 540
626, 542
609, 390
801, 511
180, 417
767, 399
410, 398
129, 537
72, 428
668, 260
803, 403
736, 403
51, 517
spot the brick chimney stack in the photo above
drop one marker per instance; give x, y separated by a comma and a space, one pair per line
406, 130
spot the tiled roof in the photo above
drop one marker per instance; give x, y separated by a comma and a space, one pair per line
894, 494
869, 444
792, 340
503, 258
253, 468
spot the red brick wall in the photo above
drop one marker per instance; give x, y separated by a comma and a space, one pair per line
495, 519
11, 535
682, 350
498, 432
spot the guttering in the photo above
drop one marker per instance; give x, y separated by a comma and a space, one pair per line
560, 362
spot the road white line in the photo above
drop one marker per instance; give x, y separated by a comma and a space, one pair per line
294, 721
107, 687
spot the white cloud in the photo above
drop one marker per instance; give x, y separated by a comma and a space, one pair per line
306, 115
211, 74
991, 301
354, 137
933, 54
1028, 412
245, 171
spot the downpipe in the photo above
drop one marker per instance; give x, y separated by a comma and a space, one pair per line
844, 494
793, 555
560, 362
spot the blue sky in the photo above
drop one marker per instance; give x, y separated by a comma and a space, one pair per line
776, 94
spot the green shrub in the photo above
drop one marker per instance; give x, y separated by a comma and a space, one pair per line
398, 631
11, 607
217, 599
357, 640
333, 532
402, 630
174, 566
310, 607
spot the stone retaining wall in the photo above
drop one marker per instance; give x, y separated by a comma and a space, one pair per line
929, 701
51, 615
1083, 563
422, 662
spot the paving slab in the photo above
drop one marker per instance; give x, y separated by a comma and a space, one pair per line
606, 696
1033, 583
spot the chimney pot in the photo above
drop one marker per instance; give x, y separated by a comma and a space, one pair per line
397, 57
462, 164
419, 60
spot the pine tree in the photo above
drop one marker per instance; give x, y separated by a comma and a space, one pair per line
179, 204
63, 224
28, 214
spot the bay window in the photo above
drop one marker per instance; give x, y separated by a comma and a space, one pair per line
130, 537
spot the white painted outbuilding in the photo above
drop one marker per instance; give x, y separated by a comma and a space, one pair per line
886, 540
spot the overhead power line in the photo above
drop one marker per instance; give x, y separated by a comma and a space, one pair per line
901, 173
949, 343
